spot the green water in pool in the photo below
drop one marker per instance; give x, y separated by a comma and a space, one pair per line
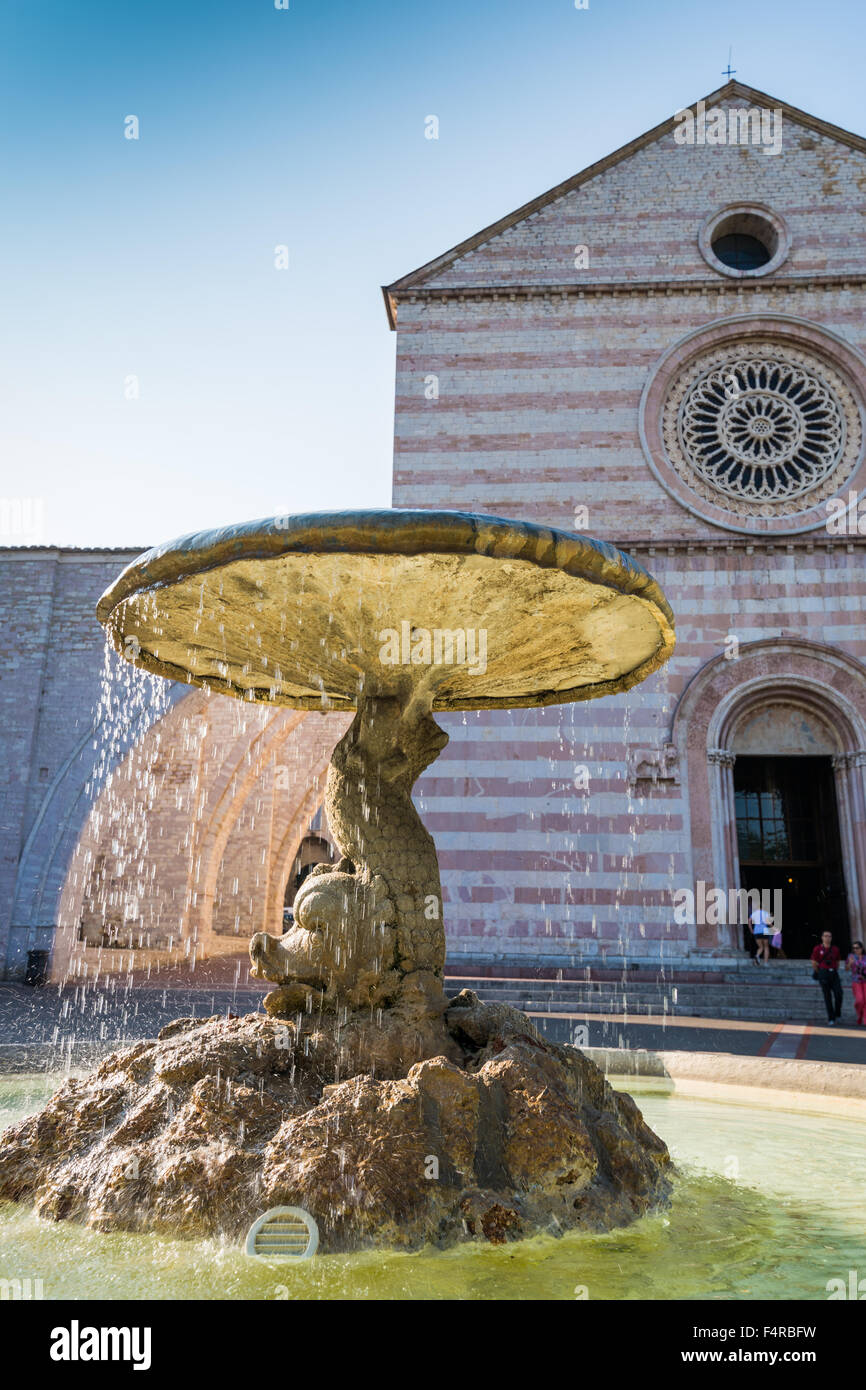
767, 1205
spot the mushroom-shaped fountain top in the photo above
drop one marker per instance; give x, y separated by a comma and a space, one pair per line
394, 614
313, 611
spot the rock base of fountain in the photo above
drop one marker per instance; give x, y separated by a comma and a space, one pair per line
392, 1131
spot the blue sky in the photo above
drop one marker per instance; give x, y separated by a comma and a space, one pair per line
265, 390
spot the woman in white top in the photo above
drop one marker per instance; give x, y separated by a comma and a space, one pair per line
762, 930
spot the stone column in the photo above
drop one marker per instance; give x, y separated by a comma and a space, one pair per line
724, 831
850, 774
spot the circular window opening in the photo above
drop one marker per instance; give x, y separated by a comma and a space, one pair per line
761, 427
745, 240
740, 251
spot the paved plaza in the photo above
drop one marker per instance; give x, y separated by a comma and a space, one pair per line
47, 1025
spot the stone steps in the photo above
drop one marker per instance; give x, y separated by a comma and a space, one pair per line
792, 999
658, 999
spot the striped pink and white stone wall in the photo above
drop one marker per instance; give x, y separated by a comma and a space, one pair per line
518, 388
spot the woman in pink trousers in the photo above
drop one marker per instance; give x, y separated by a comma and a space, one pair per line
856, 964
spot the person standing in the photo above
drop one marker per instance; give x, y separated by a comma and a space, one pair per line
825, 959
856, 965
762, 930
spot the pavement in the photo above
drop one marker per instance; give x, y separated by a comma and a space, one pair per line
53, 1021
846, 1042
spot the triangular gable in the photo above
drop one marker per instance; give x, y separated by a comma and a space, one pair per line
730, 91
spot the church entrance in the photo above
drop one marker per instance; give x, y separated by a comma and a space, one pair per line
788, 839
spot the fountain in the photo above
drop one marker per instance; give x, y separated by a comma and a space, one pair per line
392, 1114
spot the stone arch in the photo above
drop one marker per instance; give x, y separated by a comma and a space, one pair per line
249, 898
823, 686
215, 782
47, 853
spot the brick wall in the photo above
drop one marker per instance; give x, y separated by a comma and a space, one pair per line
51, 662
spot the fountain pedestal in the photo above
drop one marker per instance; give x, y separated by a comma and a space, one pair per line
368, 931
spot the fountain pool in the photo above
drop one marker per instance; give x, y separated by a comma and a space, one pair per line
763, 1209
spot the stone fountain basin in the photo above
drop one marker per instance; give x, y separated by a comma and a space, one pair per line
781, 1229
492, 1133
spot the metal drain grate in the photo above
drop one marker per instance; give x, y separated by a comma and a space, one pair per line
283, 1233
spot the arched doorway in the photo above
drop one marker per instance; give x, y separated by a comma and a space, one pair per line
781, 728
789, 846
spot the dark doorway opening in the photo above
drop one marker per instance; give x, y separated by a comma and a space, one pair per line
788, 839
314, 850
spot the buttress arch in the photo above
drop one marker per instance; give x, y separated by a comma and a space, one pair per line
213, 797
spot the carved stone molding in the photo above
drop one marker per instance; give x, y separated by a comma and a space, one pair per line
845, 761
648, 767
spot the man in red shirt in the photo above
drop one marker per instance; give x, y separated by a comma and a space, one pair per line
825, 959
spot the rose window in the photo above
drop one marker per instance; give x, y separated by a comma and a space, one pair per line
768, 428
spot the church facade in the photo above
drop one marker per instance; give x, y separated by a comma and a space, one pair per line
668, 351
